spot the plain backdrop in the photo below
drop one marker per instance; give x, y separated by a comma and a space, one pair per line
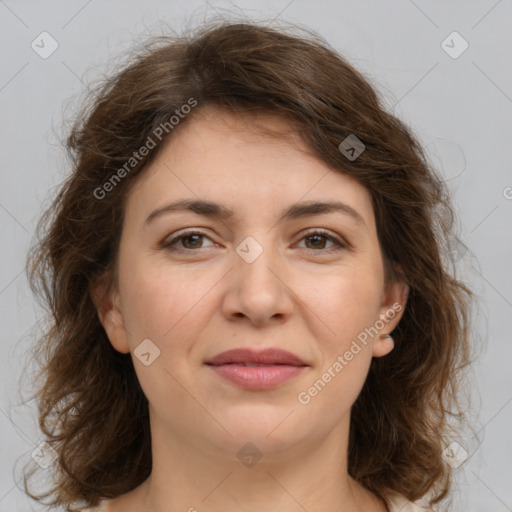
457, 100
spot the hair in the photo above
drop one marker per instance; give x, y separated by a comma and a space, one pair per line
91, 408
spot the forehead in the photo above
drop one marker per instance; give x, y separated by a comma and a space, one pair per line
252, 159
212, 128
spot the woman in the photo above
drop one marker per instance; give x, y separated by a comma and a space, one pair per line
251, 306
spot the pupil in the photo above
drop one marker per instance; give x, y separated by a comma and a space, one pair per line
318, 239
189, 237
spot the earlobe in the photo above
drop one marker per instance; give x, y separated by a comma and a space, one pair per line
109, 312
383, 346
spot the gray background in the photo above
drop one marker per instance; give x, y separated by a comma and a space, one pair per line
460, 108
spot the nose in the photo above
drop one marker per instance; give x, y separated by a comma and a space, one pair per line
258, 291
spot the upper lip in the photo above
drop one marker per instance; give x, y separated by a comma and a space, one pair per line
266, 356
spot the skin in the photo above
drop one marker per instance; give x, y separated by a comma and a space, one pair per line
300, 295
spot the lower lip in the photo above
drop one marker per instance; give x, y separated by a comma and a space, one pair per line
257, 377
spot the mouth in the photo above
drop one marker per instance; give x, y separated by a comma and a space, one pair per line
257, 370
250, 357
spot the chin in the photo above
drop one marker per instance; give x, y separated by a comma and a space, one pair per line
270, 431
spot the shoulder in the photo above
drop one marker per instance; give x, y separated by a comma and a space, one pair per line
401, 504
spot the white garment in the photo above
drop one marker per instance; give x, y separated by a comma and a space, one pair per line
401, 504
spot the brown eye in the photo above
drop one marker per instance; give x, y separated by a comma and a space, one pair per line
186, 241
192, 241
317, 240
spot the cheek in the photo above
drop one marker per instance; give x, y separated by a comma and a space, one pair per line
347, 302
163, 303
148, 306
165, 307
347, 306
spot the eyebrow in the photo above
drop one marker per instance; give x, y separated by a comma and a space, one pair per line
219, 211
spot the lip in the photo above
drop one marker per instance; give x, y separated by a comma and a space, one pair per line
266, 356
274, 367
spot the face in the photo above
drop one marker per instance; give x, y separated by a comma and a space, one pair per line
257, 271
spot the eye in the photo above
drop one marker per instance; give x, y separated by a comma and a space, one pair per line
185, 241
317, 240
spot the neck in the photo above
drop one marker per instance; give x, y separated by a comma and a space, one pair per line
190, 476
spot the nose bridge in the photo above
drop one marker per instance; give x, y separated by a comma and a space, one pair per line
257, 258
257, 291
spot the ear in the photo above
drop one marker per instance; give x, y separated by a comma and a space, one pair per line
392, 307
106, 300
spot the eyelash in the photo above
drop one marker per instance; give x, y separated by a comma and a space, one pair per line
168, 244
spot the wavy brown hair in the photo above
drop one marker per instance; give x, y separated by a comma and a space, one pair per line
91, 407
